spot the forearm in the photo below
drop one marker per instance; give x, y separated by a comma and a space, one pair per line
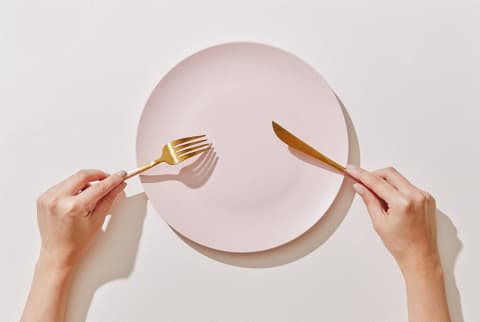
426, 295
48, 295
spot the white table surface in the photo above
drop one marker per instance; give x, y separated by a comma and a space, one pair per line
74, 77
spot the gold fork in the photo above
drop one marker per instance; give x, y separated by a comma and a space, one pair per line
174, 152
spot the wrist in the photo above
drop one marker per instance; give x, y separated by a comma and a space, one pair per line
418, 266
55, 265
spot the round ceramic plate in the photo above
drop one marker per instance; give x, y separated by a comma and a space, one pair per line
250, 193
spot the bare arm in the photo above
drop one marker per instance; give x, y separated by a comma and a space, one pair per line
49, 292
405, 218
70, 214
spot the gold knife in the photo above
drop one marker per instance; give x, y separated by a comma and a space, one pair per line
296, 143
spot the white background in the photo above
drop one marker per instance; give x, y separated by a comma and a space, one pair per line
74, 76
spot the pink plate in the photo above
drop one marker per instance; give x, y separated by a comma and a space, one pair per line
251, 193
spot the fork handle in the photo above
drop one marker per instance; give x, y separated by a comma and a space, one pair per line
139, 170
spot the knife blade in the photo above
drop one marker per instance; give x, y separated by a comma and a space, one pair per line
293, 141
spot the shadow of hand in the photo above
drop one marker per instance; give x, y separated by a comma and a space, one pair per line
449, 246
194, 175
112, 256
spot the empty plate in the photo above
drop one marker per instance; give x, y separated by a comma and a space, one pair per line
250, 193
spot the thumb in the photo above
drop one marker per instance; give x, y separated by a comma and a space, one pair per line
373, 204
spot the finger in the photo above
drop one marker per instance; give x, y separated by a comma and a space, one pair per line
99, 190
79, 180
88, 185
104, 205
392, 176
374, 205
379, 186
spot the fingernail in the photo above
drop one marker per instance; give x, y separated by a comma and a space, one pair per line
122, 173
359, 189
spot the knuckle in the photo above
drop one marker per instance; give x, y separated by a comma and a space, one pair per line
430, 200
73, 207
52, 204
391, 170
428, 197
365, 176
385, 171
419, 197
406, 204
375, 181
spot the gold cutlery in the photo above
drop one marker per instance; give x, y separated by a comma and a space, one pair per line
176, 151
296, 143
